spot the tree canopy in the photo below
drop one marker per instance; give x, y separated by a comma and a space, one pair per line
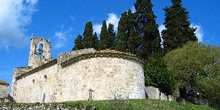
196, 70
178, 31
87, 34
103, 44
147, 28
157, 75
111, 37
78, 43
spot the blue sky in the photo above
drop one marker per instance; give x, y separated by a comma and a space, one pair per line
62, 20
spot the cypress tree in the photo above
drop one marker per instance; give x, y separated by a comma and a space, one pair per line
133, 42
103, 36
111, 36
88, 39
147, 28
122, 38
133, 36
95, 41
178, 31
78, 43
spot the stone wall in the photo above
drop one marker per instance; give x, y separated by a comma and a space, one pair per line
17, 72
3, 91
155, 93
82, 75
101, 78
37, 87
64, 56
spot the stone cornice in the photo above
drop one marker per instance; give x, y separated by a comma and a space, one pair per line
46, 65
102, 53
3, 83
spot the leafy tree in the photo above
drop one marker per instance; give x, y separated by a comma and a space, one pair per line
95, 41
157, 75
196, 70
88, 33
103, 36
147, 28
111, 36
78, 43
178, 31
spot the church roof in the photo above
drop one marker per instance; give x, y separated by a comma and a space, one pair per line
3, 83
114, 51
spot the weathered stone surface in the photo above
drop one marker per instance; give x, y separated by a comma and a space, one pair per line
3, 90
64, 56
40, 52
79, 75
152, 92
37, 87
108, 78
155, 93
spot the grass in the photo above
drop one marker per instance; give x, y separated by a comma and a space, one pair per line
147, 104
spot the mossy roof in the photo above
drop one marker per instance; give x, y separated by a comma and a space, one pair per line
3, 83
103, 53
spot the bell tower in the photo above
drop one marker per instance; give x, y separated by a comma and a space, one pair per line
40, 52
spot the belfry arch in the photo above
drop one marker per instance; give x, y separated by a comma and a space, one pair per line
40, 52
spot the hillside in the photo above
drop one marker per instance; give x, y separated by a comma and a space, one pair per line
110, 105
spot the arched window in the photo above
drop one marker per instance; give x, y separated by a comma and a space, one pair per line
40, 50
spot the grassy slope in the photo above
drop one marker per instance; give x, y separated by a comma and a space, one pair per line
140, 105
148, 104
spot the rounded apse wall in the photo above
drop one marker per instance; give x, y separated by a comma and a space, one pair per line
101, 77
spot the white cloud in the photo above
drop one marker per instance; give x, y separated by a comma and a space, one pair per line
97, 28
198, 32
62, 37
15, 15
133, 9
161, 28
112, 18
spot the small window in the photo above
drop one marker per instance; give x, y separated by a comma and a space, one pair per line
45, 77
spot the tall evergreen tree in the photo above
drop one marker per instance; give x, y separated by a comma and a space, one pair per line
122, 36
147, 28
78, 43
88, 39
134, 40
121, 42
95, 41
111, 36
103, 36
178, 31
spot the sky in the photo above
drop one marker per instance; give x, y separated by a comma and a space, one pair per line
60, 21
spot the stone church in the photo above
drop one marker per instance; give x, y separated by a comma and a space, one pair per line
85, 74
